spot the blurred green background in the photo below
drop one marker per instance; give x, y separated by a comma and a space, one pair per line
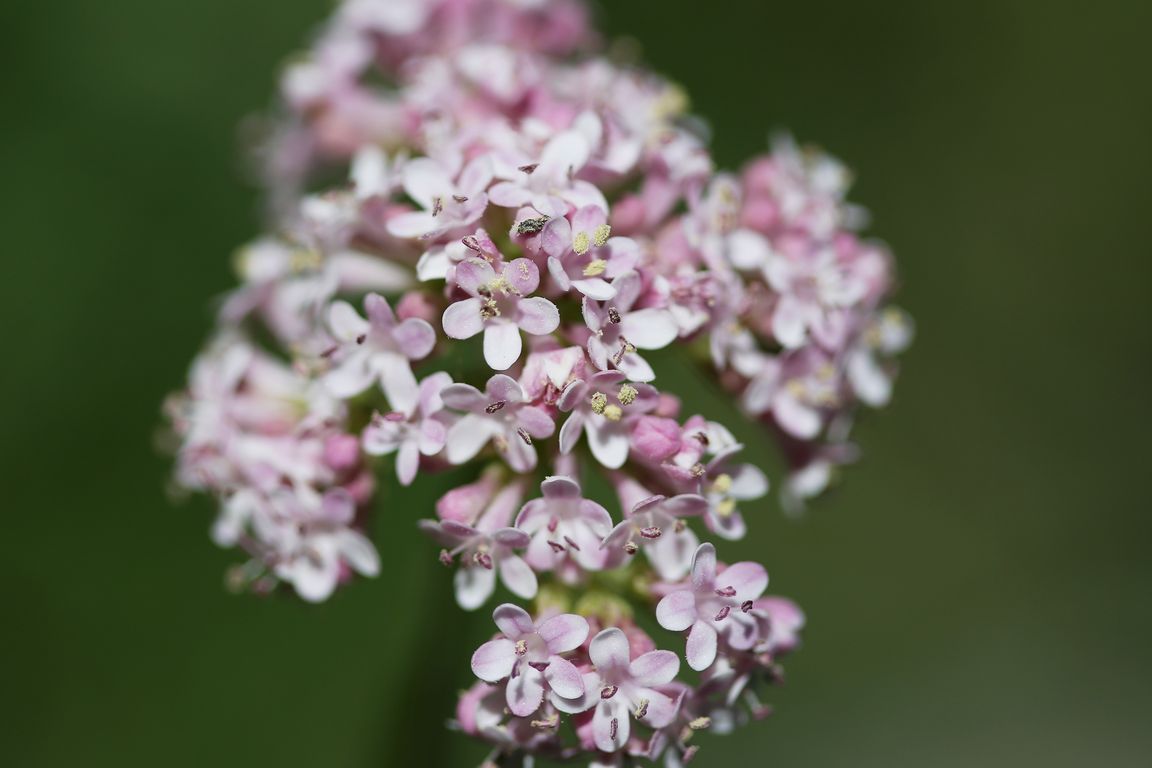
978, 590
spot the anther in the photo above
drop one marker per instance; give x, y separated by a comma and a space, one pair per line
613, 412
528, 168
599, 401
698, 470
437, 205
557, 547
473, 244
746, 606
527, 438
361, 338
612, 728
445, 558
571, 543
630, 547
700, 723
728, 591
651, 532
641, 709
521, 647
581, 243
495, 406
595, 268
460, 198
722, 613
609, 691
627, 394
551, 721
613, 315
600, 236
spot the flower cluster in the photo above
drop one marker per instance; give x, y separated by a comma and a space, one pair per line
516, 205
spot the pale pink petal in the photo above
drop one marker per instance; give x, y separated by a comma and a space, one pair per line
473, 273
536, 421
466, 437
608, 441
517, 576
649, 328
507, 194
358, 552
462, 397
750, 579
572, 395
662, 709
380, 314
628, 287
609, 650
677, 610
474, 585
556, 269
748, 482
523, 275
412, 225
407, 462
501, 387
788, 322
564, 633
537, 315
560, 488
654, 668
424, 180
414, 337
563, 678
398, 382
566, 153
493, 661
686, 505
513, 621
525, 691
433, 433
612, 724
671, 554
595, 288
345, 323
701, 650
570, 432
796, 418
502, 344
462, 319
636, 368
556, 239
728, 526
350, 377
704, 567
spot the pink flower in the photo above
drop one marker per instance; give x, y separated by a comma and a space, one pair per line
565, 527
799, 389
656, 525
420, 430
618, 330
604, 407
501, 414
448, 205
715, 604
622, 689
528, 656
547, 182
486, 548
500, 307
581, 254
376, 350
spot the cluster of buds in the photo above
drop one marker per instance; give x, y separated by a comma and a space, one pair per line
513, 202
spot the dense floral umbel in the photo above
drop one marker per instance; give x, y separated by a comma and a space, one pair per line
507, 194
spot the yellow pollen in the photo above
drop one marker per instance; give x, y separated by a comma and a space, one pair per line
613, 412
306, 260
489, 309
581, 243
600, 236
595, 268
499, 285
796, 388
599, 402
627, 394
726, 507
722, 484
827, 372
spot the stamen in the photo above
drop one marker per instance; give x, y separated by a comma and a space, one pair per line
746, 606
557, 547
483, 559
445, 558
613, 412
609, 691
472, 243
527, 438
700, 723
521, 647
680, 526
551, 721
613, 315
689, 753
612, 728
641, 709
460, 198
698, 470
600, 236
496, 406
651, 532
599, 402
726, 507
630, 547
571, 543
728, 591
437, 205
628, 394
722, 483
581, 243
723, 613
489, 309
528, 169
595, 268
361, 338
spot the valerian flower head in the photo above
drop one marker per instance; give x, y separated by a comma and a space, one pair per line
481, 168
